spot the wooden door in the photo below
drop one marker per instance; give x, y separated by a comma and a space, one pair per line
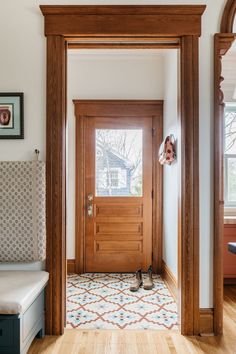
118, 184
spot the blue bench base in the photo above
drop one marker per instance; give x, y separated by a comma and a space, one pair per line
18, 331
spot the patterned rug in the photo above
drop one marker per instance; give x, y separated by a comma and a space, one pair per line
104, 301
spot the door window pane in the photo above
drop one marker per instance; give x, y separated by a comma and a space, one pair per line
119, 162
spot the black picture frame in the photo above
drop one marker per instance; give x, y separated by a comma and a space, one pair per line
12, 104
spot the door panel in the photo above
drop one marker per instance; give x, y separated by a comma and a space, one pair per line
118, 191
104, 210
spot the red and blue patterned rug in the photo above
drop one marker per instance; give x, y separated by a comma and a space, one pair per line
104, 301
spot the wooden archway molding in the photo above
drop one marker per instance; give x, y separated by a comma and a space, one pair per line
223, 42
138, 26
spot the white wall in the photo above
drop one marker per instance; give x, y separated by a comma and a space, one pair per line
170, 173
107, 74
22, 68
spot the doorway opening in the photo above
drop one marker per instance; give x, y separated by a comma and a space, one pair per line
171, 26
121, 104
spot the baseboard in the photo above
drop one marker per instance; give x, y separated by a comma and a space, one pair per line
206, 321
170, 280
70, 266
229, 281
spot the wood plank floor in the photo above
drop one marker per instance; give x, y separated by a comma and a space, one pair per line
143, 342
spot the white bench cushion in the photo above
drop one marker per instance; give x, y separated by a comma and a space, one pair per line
38, 265
18, 289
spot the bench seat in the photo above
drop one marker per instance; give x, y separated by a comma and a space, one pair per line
18, 289
21, 309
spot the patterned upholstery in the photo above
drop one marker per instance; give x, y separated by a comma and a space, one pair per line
22, 211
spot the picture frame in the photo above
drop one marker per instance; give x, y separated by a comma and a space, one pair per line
11, 115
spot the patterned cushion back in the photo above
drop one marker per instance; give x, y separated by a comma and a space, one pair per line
22, 211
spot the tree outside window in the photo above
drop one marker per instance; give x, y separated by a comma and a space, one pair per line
230, 155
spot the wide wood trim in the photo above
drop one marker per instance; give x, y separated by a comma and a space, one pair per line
143, 22
135, 108
222, 43
127, 107
206, 321
126, 42
122, 9
122, 46
189, 189
56, 183
170, 280
71, 266
128, 20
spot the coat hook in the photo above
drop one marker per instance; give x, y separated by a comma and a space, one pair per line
37, 154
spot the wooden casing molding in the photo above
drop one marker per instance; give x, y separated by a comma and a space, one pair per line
222, 43
129, 24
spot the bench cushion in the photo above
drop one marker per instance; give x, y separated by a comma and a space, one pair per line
38, 265
18, 289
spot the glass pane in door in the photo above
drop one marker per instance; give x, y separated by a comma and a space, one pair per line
119, 162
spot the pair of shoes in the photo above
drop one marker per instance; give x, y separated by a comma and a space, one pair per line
138, 281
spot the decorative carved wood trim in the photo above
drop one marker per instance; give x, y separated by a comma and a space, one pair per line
222, 44
228, 17
225, 40
139, 22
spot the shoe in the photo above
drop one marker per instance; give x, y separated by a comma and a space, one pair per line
148, 283
138, 281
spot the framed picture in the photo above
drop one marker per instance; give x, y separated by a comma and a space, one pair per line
11, 115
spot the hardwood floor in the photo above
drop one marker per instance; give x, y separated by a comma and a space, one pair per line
140, 342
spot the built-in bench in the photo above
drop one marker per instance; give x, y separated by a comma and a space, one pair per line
21, 309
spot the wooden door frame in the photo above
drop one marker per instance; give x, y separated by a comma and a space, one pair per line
138, 108
139, 27
223, 42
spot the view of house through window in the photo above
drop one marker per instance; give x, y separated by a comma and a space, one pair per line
230, 155
119, 162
